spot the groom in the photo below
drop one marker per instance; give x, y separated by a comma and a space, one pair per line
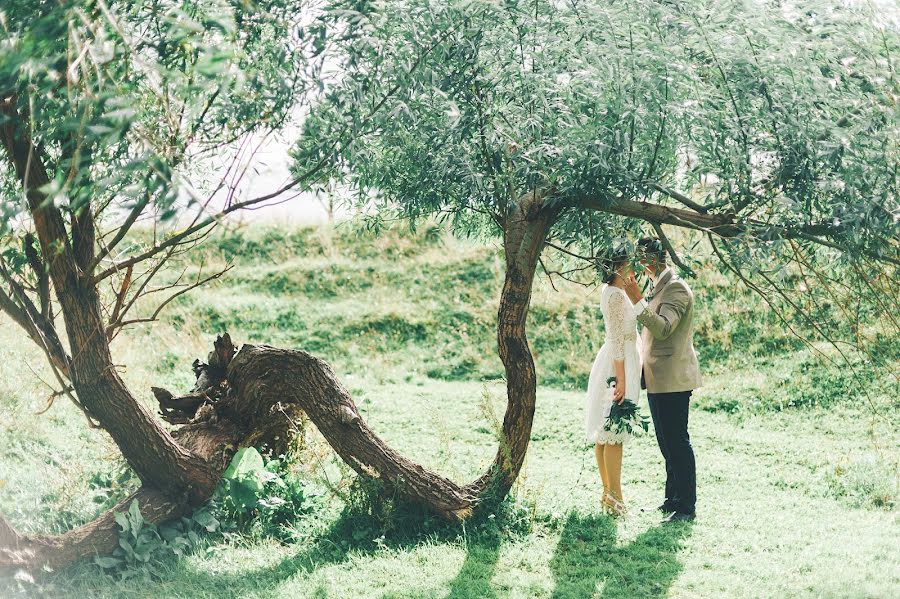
671, 373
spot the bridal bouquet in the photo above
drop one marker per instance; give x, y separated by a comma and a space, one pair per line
625, 417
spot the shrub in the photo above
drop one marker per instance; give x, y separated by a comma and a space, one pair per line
865, 481
258, 498
143, 546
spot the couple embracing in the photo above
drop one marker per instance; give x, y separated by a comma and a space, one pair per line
662, 360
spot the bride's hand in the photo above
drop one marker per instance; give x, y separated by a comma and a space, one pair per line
619, 391
632, 289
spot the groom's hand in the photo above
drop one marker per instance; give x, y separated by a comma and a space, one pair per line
633, 289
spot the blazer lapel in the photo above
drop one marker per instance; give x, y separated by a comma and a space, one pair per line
662, 282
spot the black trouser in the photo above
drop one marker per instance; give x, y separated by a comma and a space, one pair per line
670, 419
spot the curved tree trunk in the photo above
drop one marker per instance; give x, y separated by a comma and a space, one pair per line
525, 233
262, 377
257, 397
148, 448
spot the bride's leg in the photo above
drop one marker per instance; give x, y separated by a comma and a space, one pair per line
601, 464
612, 455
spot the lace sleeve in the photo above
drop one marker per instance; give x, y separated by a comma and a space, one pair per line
616, 324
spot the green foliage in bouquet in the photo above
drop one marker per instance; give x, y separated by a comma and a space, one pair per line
625, 417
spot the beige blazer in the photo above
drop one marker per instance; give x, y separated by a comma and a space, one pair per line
670, 362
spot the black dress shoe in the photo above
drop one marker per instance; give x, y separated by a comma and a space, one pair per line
679, 517
667, 508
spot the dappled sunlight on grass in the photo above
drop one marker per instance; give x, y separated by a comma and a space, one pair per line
797, 484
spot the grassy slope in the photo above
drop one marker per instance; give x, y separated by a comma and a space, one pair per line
792, 501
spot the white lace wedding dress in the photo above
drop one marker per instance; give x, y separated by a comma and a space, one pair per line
621, 343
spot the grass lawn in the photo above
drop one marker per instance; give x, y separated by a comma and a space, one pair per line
793, 502
770, 524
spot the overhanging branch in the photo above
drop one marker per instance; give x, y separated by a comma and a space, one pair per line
723, 225
719, 224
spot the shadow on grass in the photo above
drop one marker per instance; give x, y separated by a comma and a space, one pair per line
587, 558
474, 577
178, 577
351, 534
340, 541
473, 581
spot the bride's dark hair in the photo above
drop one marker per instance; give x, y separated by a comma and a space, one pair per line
610, 265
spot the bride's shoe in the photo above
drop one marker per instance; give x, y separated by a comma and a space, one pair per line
613, 506
604, 502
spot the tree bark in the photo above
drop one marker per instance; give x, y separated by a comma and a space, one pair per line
147, 447
265, 379
525, 233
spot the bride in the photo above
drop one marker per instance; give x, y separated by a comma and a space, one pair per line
619, 357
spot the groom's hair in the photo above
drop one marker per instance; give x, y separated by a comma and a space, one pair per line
653, 249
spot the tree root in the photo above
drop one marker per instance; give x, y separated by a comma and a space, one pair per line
100, 536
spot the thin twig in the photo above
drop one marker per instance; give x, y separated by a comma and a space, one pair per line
301, 178
671, 250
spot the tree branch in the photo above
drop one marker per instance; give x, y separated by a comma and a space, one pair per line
126, 225
115, 325
565, 251
40, 273
671, 250
41, 330
301, 178
678, 196
722, 225
719, 224
120, 296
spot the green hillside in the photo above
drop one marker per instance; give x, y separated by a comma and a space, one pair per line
424, 304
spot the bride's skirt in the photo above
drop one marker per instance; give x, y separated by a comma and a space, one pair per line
598, 401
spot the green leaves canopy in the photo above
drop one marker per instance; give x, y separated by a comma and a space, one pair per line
784, 113
128, 100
